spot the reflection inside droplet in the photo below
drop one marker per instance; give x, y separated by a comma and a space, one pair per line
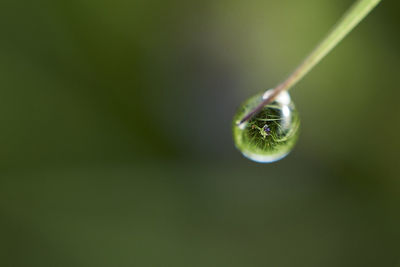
269, 135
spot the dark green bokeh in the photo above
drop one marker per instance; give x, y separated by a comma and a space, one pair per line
116, 145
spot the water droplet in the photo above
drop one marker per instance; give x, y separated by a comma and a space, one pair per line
269, 135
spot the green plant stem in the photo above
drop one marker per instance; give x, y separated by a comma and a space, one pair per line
350, 19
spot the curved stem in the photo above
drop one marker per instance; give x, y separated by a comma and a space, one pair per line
350, 19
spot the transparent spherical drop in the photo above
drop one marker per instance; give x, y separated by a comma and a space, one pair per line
269, 135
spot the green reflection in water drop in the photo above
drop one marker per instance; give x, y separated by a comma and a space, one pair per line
272, 133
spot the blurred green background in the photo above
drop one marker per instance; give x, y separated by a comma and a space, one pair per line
116, 145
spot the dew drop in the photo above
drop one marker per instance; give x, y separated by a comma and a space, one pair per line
269, 135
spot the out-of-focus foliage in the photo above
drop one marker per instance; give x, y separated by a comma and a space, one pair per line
116, 147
